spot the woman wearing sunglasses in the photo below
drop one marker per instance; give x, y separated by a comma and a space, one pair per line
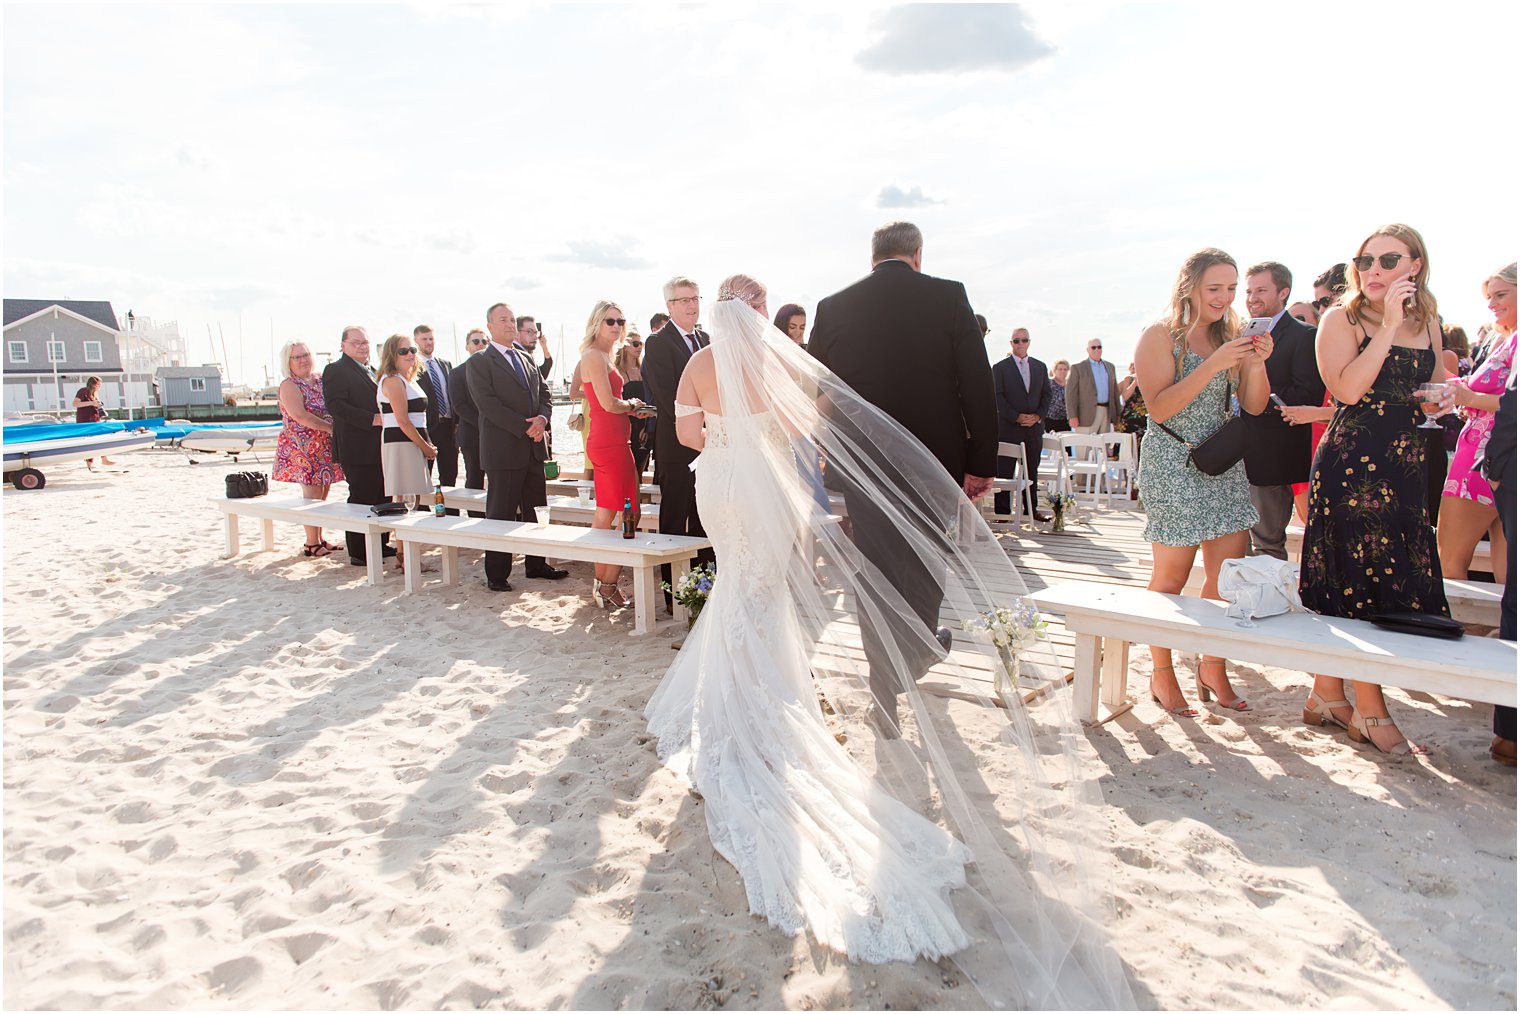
630, 358
1368, 546
404, 446
610, 418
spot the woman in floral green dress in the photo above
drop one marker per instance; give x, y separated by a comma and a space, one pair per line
1369, 547
1187, 367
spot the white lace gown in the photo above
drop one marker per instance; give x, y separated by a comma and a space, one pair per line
819, 845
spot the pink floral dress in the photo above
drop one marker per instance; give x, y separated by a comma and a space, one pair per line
1464, 480
304, 455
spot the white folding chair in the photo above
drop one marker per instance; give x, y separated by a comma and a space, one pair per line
1051, 454
1121, 468
1086, 465
1015, 486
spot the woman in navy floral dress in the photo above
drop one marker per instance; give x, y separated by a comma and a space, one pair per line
1369, 547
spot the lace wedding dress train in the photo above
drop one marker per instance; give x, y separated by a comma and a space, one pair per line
895, 845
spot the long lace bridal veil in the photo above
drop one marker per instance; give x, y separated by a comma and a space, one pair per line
996, 758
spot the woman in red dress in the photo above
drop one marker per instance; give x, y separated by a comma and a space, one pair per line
607, 448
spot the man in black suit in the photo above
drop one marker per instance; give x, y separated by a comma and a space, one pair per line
433, 378
466, 416
666, 353
864, 334
1278, 454
1499, 468
530, 337
513, 402
1021, 388
349, 386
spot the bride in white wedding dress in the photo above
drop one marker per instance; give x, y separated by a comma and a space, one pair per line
891, 846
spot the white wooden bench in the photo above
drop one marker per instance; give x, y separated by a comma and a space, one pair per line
644, 554
563, 510
347, 517
1107, 619
648, 492
1470, 601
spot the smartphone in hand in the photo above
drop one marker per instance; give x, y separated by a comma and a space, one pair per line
1256, 327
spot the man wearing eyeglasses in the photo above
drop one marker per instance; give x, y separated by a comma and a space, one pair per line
1021, 387
514, 406
666, 353
433, 378
466, 415
349, 386
1279, 454
530, 337
1092, 392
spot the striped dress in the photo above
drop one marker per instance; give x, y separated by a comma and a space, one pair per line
406, 470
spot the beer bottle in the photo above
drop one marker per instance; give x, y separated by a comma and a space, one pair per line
628, 518
437, 499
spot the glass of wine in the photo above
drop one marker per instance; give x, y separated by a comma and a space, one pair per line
1432, 402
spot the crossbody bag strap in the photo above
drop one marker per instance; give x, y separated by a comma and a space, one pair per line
1190, 446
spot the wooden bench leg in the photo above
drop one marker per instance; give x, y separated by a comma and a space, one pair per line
645, 595
232, 535
678, 570
373, 556
412, 566
1085, 687
450, 566
269, 535
1113, 699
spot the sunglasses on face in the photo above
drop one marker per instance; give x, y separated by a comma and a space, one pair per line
637, 345
1323, 302
1021, 341
614, 321
1094, 348
478, 341
406, 352
1389, 261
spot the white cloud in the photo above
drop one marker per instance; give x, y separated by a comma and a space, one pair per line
616, 253
955, 38
894, 196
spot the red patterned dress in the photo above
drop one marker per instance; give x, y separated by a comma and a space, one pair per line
304, 455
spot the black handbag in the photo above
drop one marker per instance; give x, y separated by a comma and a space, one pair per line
1423, 624
389, 509
244, 485
1224, 447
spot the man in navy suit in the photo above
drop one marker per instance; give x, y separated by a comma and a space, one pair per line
433, 377
513, 405
466, 417
1278, 454
1021, 386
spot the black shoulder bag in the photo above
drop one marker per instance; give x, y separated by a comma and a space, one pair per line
1222, 449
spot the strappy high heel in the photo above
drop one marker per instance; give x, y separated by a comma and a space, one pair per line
1206, 694
1185, 710
1319, 712
1357, 730
608, 596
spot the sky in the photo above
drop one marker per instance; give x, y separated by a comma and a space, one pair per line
270, 172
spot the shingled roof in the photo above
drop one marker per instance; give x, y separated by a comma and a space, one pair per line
97, 310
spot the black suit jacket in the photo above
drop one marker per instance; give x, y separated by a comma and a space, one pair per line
895, 316
351, 400
1013, 400
425, 381
462, 406
665, 357
505, 406
1278, 453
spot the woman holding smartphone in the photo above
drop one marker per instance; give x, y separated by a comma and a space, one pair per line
1188, 366
607, 448
1368, 546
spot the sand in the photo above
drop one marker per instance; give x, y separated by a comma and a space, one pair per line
262, 783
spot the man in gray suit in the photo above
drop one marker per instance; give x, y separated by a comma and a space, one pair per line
513, 403
1092, 393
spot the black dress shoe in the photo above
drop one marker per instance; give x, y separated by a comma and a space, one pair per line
942, 635
502, 585
354, 561
1041, 518
548, 573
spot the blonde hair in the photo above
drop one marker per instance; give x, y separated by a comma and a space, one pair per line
624, 352
594, 324
745, 288
1355, 301
389, 359
1223, 330
1504, 274
286, 351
